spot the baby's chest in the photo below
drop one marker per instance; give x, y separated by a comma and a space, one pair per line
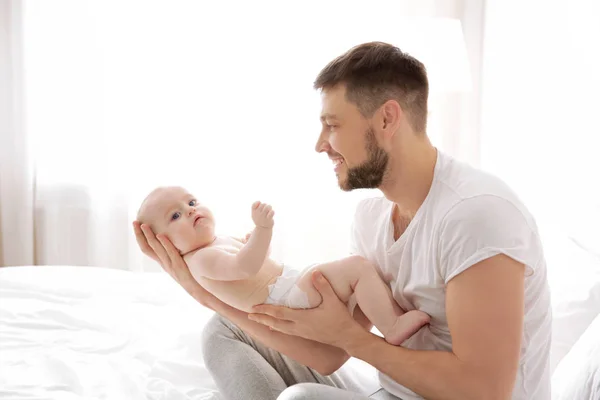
228, 244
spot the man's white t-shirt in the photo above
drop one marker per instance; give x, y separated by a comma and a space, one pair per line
467, 216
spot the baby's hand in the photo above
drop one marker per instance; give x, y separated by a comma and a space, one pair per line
262, 215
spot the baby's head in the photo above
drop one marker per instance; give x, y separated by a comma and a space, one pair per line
174, 212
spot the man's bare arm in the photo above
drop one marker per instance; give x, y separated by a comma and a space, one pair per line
484, 307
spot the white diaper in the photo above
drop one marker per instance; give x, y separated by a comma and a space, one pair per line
285, 291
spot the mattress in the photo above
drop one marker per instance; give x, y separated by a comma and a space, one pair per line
97, 333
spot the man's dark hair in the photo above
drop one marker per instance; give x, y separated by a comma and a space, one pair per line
376, 72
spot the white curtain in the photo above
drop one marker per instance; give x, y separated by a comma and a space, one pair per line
122, 96
17, 237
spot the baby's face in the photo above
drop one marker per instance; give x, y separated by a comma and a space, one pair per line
176, 213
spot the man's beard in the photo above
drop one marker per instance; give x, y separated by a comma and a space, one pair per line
370, 174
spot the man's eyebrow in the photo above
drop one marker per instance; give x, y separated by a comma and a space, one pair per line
328, 116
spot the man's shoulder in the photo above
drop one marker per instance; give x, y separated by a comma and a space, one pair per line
466, 181
473, 199
464, 187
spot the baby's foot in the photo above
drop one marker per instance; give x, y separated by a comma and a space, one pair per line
406, 325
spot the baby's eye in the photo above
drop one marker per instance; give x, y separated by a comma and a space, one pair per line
192, 203
176, 216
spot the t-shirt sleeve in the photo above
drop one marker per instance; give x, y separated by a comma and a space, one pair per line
481, 227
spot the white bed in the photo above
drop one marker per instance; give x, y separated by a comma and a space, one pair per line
97, 333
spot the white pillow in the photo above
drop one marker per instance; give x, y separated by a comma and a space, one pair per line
574, 279
577, 377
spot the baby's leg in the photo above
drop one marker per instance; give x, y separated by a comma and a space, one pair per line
355, 274
341, 275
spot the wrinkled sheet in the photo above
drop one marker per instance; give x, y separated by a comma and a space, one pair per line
97, 333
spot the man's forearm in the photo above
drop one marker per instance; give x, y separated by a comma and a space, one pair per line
431, 374
321, 357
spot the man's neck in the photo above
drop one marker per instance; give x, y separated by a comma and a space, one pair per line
409, 179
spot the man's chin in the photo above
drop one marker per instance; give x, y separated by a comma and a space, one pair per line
344, 185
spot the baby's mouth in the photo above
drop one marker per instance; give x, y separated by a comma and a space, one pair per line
197, 219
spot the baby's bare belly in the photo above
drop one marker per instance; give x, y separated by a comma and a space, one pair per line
244, 294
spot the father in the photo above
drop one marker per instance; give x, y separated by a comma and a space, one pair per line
453, 241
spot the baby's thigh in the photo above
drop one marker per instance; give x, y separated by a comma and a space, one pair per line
342, 275
305, 284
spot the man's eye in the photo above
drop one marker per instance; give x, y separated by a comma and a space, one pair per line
192, 203
176, 216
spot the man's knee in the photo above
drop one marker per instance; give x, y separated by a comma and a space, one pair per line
215, 332
300, 391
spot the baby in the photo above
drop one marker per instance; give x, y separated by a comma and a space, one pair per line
240, 273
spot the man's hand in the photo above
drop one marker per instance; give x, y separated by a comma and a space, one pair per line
322, 324
161, 250
262, 215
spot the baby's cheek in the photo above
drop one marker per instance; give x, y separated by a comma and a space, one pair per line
182, 240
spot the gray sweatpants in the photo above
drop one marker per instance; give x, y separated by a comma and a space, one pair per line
245, 369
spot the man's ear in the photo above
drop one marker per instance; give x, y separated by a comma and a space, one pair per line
391, 115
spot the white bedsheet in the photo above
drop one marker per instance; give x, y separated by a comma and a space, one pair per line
97, 333
92, 333
578, 375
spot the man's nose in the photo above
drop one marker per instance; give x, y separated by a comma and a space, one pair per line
322, 143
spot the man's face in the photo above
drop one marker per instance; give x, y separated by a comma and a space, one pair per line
349, 140
176, 213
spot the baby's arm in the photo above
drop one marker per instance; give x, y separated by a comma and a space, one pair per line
218, 264
221, 265
252, 256
247, 237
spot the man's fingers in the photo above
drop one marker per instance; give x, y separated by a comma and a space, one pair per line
175, 261
172, 252
159, 250
278, 312
276, 324
142, 242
